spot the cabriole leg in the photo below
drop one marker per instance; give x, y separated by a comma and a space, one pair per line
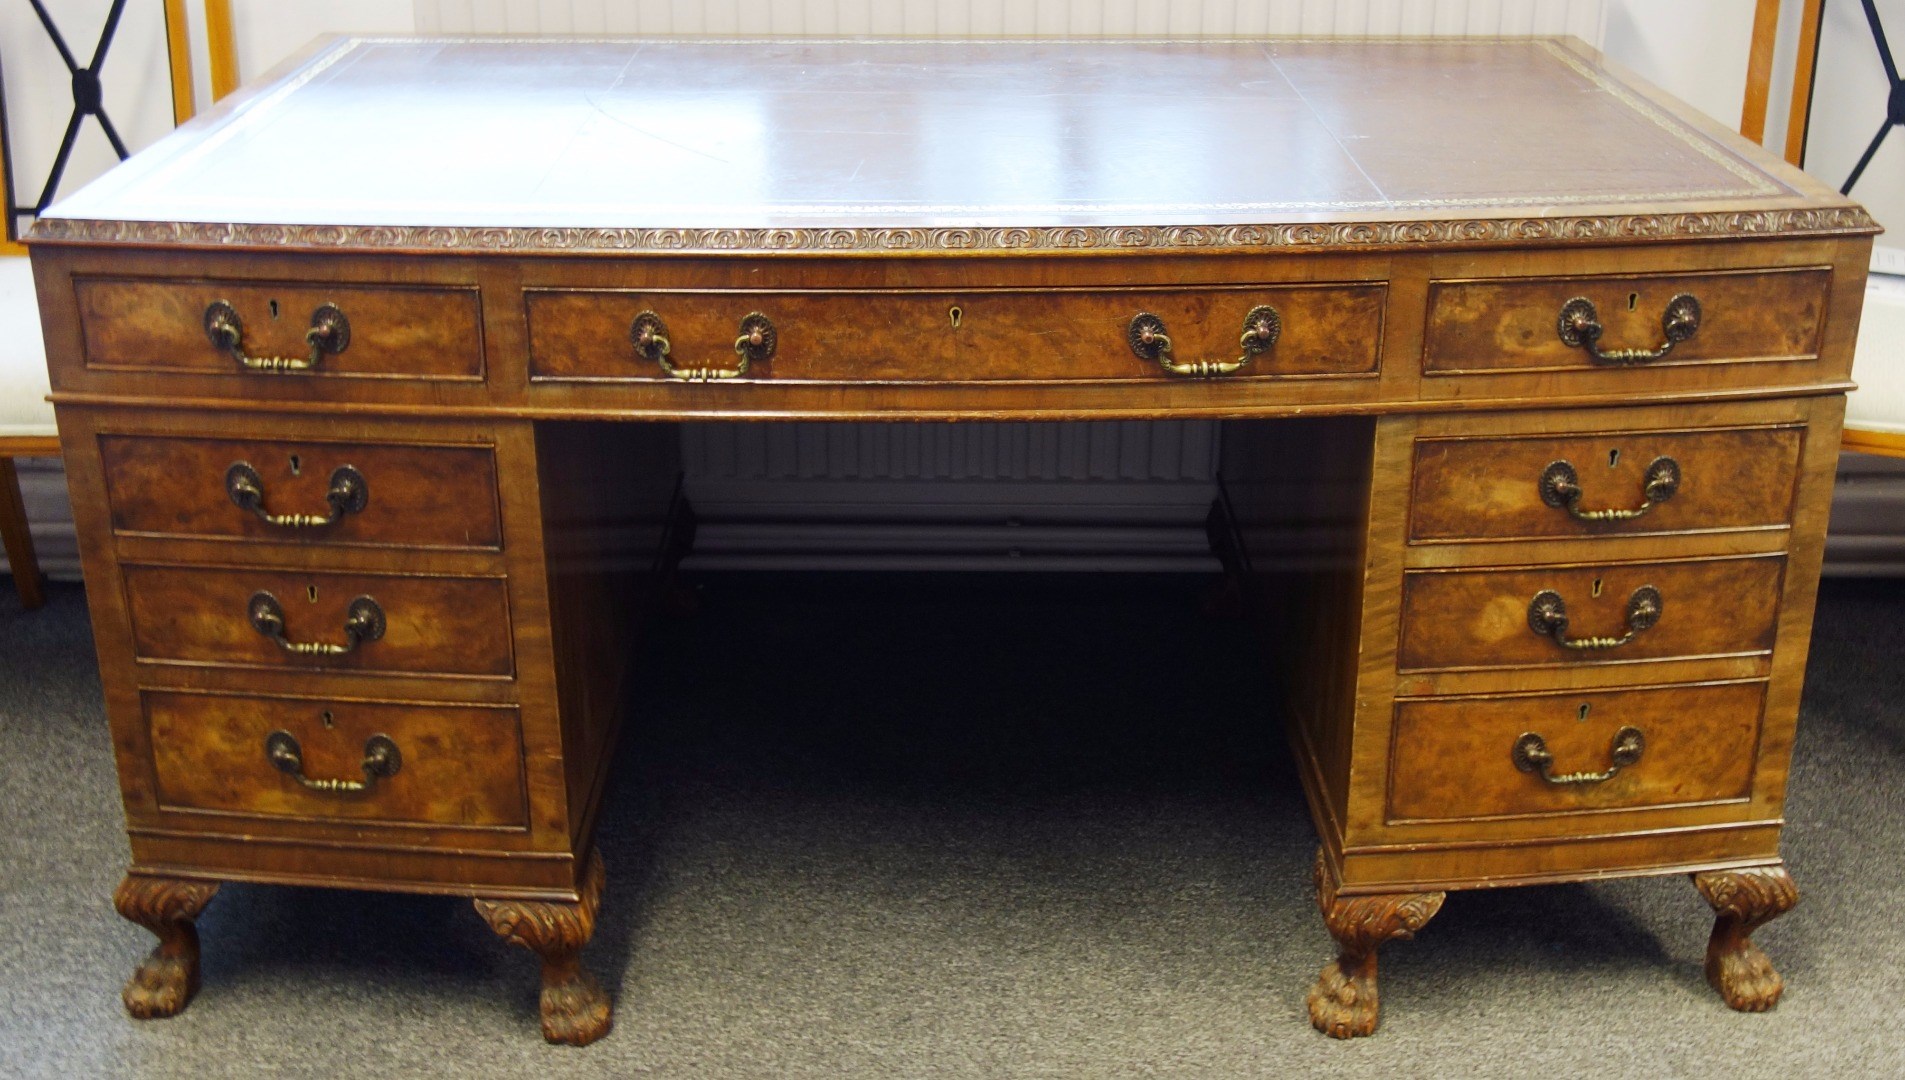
575, 1008
1343, 1003
1743, 901
166, 980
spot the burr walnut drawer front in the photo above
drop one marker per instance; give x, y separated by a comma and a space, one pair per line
1538, 754
263, 329
319, 621
1567, 324
982, 336
1589, 614
378, 494
442, 765
1619, 483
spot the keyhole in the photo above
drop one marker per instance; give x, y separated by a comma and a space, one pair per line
1579, 714
274, 308
330, 721
955, 314
1613, 458
1633, 300
297, 465
310, 592
1596, 590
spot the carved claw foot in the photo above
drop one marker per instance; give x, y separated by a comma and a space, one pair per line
575, 1008
166, 980
1343, 1003
1743, 901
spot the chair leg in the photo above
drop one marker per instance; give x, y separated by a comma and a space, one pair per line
19, 543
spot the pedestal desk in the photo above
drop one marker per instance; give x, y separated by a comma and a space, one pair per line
1555, 366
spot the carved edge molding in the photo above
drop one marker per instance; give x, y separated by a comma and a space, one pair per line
1833, 220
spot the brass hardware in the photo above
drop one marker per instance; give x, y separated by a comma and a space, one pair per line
330, 332
1531, 754
1548, 616
755, 343
349, 494
956, 315
382, 760
1148, 339
363, 621
1580, 328
1561, 488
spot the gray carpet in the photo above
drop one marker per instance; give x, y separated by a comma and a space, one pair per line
1051, 836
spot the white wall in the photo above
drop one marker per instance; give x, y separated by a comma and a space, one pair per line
1694, 49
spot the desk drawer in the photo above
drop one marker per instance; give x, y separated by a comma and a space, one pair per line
1619, 483
1466, 758
386, 623
981, 336
372, 493
446, 765
380, 331
1514, 324
1511, 618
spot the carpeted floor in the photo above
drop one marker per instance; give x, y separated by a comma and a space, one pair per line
956, 826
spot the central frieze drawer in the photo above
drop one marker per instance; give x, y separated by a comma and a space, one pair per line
305, 620
382, 494
1619, 483
272, 330
1516, 324
983, 336
450, 765
1537, 754
1605, 613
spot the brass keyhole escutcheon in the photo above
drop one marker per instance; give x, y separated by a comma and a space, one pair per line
956, 315
297, 465
1633, 301
1580, 714
273, 305
329, 721
310, 593
1596, 590
1613, 458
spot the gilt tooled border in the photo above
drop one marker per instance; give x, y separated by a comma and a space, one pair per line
1837, 220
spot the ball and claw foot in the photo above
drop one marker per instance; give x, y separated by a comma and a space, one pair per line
575, 1009
1743, 901
166, 980
1343, 1003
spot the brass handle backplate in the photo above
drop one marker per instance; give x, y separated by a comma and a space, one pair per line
1531, 754
382, 760
1561, 489
349, 493
1580, 328
363, 621
755, 343
1548, 616
330, 332
1147, 337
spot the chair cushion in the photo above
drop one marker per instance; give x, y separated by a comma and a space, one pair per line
23, 385
1879, 363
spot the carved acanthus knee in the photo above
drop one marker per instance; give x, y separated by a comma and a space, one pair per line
1743, 901
165, 980
575, 1008
1343, 1004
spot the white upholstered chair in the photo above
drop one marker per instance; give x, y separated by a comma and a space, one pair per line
1875, 413
26, 419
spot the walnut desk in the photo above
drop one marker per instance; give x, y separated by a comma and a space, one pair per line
1558, 365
